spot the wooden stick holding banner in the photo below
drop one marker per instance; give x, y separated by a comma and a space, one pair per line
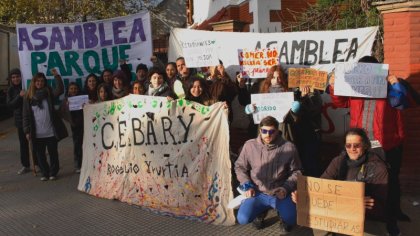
31, 156
331, 205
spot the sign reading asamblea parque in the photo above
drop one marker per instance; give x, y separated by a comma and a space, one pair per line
78, 49
169, 156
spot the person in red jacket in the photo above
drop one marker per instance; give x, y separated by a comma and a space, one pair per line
383, 124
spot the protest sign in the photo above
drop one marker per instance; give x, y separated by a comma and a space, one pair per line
313, 78
361, 80
173, 160
331, 205
315, 49
200, 53
77, 102
256, 63
271, 104
78, 49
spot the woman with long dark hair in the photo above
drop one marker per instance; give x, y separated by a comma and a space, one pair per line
198, 92
91, 86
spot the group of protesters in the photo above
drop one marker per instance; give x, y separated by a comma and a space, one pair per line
268, 164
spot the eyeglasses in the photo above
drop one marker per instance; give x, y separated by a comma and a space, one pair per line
353, 145
269, 131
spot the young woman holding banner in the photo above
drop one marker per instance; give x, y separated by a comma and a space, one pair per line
119, 89
41, 123
158, 86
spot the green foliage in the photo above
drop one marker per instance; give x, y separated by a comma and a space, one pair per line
64, 11
339, 15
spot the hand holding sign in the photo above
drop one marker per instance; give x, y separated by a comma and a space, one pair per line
54, 71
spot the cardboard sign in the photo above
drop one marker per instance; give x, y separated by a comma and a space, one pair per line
171, 157
331, 205
361, 80
313, 78
200, 53
255, 64
271, 104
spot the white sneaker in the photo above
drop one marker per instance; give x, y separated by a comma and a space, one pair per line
23, 170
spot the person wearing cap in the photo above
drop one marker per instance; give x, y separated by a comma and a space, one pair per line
14, 100
267, 169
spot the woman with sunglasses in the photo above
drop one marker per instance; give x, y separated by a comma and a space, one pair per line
359, 163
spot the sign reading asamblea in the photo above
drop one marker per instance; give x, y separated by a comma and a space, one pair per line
78, 49
317, 49
169, 156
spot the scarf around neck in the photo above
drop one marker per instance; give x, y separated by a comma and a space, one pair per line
118, 93
38, 97
348, 163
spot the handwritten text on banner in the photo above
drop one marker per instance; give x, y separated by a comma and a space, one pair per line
172, 158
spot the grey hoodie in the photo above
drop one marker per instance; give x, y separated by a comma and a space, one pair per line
269, 167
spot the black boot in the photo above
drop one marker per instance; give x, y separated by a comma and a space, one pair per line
284, 228
258, 222
403, 217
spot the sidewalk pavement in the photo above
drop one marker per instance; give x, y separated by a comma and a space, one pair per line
31, 207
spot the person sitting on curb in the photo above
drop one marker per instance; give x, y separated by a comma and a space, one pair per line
267, 170
359, 163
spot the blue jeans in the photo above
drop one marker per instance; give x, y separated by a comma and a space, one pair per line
254, 206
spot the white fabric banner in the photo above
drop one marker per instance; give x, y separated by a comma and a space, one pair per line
174, 161
78, 49
317, 49
361, 80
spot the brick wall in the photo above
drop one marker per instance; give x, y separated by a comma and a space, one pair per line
289, 9
402, 53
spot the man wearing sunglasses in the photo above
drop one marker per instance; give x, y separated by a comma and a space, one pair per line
267, 170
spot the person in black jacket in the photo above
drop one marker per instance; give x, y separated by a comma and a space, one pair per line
15, 95
75, 118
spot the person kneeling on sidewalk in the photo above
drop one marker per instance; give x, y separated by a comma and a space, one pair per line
267, 169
